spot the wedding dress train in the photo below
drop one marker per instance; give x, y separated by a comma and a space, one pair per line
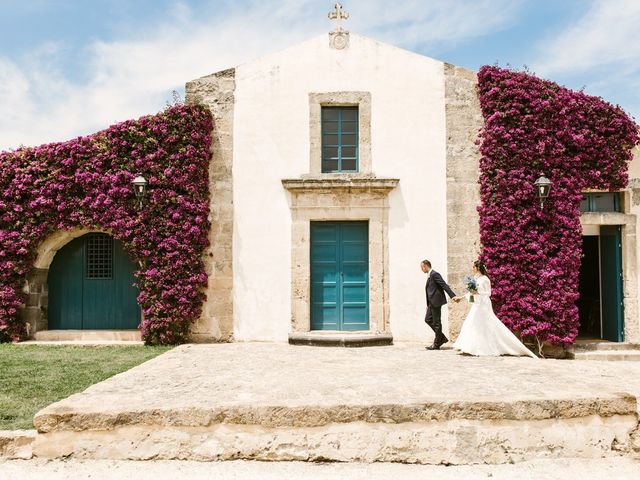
482, 332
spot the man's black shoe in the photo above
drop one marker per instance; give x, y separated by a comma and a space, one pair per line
435, 346
442, 340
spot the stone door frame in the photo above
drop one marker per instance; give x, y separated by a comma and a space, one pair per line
627, 223
34, 313
340, 199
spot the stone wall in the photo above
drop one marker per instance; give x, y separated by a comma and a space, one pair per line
630, 253
463, 121
274, 118
34, 312
217, 92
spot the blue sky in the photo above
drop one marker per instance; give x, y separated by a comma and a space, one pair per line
71, 67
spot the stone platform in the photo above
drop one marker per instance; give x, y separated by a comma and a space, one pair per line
398, 403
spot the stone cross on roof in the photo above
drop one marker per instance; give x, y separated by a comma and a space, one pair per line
338, 15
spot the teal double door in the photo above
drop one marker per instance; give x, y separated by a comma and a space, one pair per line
339, 276
91, 286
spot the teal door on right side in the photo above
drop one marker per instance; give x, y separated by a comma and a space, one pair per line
611, 283
339, 276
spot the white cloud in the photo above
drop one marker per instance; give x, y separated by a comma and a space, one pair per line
602, 47
14, 95
606, 35
418, 22
40, 102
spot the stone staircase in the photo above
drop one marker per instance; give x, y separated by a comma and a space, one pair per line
605, 351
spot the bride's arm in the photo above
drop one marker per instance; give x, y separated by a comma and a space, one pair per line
484, 287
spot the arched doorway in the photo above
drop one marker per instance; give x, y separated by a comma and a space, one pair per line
91, 286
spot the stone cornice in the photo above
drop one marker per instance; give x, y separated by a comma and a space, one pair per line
607, 218
340, 183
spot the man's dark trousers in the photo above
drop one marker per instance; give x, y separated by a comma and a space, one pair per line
435, 292
434, 320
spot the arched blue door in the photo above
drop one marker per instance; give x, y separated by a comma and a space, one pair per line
91, 286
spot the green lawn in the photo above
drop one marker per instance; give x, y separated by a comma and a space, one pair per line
34, 376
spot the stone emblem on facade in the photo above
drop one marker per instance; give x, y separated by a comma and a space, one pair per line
338, 37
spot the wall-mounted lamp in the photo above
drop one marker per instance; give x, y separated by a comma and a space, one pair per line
543, 187
140, 188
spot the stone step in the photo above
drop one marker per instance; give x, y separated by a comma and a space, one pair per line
438, 433
602, 346
88, 336
340, 339
17, 444
609, 355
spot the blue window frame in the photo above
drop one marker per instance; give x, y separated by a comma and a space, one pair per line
339, 139
600, 202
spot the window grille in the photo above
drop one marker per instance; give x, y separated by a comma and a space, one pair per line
99, 256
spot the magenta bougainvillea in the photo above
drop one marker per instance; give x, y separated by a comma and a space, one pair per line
533, 126
86, 183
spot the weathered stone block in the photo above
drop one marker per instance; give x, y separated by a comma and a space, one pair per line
17, 444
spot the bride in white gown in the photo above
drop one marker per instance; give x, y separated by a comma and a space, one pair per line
482, 332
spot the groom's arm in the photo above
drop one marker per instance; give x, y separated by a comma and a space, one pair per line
439, 280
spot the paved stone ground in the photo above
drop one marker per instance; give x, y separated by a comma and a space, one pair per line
257, 374
266, 401
605, 469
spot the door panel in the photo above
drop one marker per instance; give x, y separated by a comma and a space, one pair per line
353, 318
354, 272
324, 276
65, 287
611, 283
325, 272
353, 294
339, 276
98, 304
127, 316
355, 276
325, 317
98, 282
326, 294
353, 252
325, 252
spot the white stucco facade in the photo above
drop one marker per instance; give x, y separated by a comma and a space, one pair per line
271, 142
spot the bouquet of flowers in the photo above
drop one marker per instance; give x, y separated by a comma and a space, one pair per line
472, 286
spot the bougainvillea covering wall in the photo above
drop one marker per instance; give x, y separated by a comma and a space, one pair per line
86, 183
579, 142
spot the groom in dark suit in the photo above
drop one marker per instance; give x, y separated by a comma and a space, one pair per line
435, 289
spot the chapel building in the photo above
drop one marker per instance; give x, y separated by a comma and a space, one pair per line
337, 166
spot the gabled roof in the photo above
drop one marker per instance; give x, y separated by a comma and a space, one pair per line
357, 43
